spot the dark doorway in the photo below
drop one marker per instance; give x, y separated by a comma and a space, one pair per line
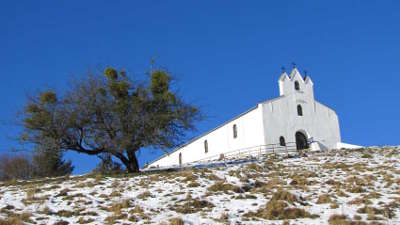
301, 141
282, 141
180, 159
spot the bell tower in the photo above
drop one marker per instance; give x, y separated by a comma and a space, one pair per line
295, 84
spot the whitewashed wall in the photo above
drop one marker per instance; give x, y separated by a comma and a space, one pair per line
250, 133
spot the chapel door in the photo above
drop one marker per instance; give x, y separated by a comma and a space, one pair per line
301, 141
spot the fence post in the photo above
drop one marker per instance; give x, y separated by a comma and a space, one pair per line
287, 151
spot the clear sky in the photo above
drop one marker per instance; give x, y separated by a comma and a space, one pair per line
227, 55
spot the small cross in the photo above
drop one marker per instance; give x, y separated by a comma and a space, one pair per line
283, 69
305, 72
294, 65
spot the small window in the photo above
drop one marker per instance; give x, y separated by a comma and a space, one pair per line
206, 146
234, 131
299, 110
282, 141
296, 86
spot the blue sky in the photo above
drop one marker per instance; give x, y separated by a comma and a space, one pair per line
226, 55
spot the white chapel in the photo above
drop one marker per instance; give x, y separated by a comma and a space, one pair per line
292, 120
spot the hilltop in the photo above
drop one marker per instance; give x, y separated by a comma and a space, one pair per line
335, 187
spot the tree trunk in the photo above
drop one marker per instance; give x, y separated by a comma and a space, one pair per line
131, 163
132, 166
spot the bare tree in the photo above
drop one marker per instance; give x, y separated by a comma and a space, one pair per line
15, 167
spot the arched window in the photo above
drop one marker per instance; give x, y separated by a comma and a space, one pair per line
299, 110
282, 141
296, 86
234, 131
180, 158
205, 146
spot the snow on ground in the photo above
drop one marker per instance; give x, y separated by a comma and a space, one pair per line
335, 187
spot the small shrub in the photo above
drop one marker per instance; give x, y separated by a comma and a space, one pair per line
369, 210
275, 183
176, 221
63, 192
82, 220
221, 186
17, 219
334, 205
299, 181
284, 196
65, 213
360, 201
61, 222
324, 199
279, 210
338, 219
357, 217
193, 184
145, 195
190, 205
188, 175
366, 156
255, 167
117, 207
355, 189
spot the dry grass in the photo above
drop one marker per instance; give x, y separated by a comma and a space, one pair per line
117, 207
255, 167
221, 186
190, 205
324, 199
279, 210
63, 192
61, 222
82, 220
188, 176
224, 218
145, 195
193, 184
339, 219
283, 195
66, 213
176, 221
17, 218
360, 201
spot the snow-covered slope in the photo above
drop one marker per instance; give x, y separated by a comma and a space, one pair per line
337, 186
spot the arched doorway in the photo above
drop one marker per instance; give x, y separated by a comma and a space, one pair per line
301, 141
180, 159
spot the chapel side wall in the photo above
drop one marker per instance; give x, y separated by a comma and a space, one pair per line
329, 131
250, 133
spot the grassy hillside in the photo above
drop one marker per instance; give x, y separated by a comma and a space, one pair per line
338, 187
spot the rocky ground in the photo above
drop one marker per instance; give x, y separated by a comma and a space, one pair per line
336, 187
